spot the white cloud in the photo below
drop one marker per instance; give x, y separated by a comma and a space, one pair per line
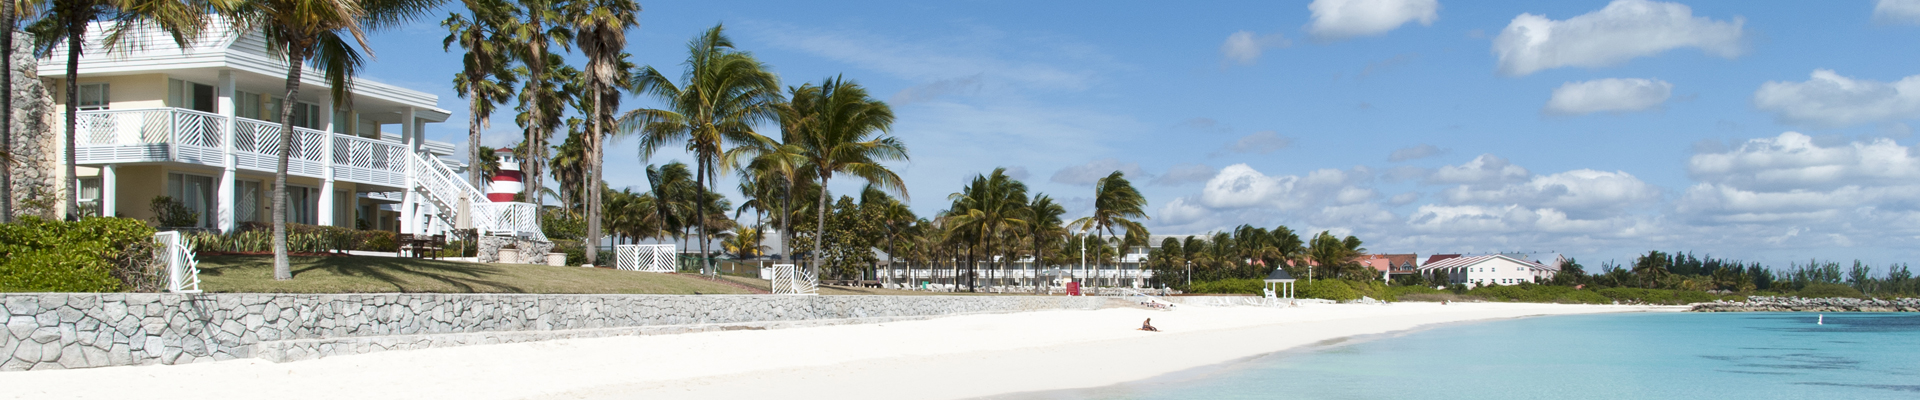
1262, 142
1420, 151
1790, 179
1240, 186
1182, 174
1608, 95
1583, 191
1180, 212
1091, 172
1623, 30
1244, 47
1897, 12
1829, 100
1341, 19
1487, 169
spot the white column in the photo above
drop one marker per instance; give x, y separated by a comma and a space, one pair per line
323, 212
408, 197
226, 204
109, 187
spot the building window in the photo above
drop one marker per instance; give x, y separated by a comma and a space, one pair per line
90, 194
247, 105
93, 96
302, 203
306, 115
189, 95
196, 192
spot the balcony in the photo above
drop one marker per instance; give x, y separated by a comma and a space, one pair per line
200, 138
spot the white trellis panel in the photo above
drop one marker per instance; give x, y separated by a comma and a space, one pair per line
646, 257
183, 271
788, 279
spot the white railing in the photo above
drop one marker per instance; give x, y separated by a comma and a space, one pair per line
443, 189
788, 279
646, 257
159, 134
507, 219
183, 270
367, 160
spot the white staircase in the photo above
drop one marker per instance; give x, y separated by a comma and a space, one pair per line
441, 188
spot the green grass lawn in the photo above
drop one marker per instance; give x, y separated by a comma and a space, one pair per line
254, 274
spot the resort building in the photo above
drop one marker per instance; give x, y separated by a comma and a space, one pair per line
1487, 270
201, 125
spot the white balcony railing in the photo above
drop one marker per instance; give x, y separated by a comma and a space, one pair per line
188, 136
150, 135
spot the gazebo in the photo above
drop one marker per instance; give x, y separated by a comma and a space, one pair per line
1280, 282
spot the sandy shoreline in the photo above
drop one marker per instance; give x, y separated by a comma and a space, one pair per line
946, 358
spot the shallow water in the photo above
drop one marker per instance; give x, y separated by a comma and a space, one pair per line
1607, 356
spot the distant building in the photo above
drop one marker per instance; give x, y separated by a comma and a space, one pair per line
1488, 270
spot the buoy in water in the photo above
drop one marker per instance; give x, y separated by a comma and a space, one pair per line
1821, 321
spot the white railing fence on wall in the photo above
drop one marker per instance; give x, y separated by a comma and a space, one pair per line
646, 257
183, 269
789, 279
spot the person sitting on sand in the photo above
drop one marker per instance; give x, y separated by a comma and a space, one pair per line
1148, 326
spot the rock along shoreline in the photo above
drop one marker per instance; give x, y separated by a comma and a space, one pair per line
1826, 304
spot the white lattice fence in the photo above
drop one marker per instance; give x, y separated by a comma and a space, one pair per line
788, 279
646, 257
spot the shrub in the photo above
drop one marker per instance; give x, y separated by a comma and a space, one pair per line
92, 255
1330, 289
1829, 290
168, 212
1230, 286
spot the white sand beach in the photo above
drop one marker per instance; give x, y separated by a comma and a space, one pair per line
946, 358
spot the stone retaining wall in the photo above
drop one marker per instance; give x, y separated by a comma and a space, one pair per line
79, 330
1829, 304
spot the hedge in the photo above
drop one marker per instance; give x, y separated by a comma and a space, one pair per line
91, 255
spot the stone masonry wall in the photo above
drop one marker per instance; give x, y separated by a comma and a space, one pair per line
80, 330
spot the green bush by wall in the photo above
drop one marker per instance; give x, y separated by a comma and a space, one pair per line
92, 255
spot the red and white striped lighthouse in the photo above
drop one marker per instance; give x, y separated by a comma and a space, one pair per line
507, 182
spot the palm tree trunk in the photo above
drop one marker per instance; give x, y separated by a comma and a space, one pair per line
786, 221
73, 113
592, 144
536, 111
281, 269
700, 214
6, 110
473, 140
820, 225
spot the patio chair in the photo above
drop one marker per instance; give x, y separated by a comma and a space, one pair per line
404, 245
436, 245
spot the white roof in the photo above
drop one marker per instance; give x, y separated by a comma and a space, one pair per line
1471, 261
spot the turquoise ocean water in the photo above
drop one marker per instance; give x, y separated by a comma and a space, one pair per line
1610, 356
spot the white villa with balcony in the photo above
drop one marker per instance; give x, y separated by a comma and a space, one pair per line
201, 125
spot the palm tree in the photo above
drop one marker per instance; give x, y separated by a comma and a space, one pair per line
543, 24
721, 95
601, 33
1044, 227
673, 192
316, 31
1336, 255
987, 208
67, 21
744, 242
842, 136
484, 80
1115, 204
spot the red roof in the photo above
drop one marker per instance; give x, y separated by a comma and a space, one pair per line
1438, 257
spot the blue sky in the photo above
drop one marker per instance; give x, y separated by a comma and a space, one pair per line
1765, 131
